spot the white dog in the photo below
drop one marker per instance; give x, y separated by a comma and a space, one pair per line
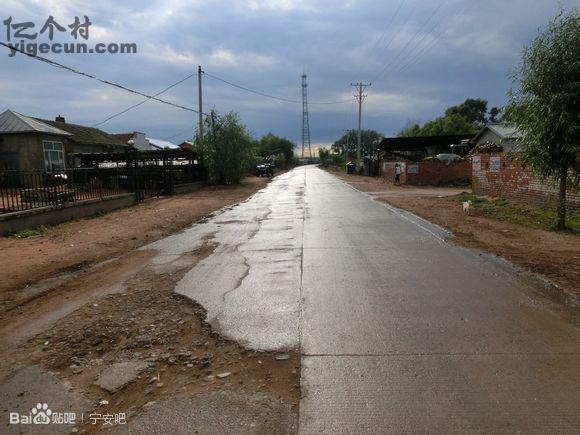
468, 208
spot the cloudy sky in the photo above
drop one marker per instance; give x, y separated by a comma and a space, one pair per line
421, 56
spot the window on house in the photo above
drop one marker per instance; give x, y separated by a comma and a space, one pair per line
53, 155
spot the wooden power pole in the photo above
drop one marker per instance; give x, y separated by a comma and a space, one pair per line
360, 88
200, 102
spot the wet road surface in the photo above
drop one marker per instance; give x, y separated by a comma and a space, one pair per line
250, 284
399, 330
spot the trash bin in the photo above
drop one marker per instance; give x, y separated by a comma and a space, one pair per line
350, 168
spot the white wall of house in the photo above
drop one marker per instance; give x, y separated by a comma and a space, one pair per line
140, 141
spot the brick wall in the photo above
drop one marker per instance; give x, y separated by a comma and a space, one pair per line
436, 173
431, 173
496, 175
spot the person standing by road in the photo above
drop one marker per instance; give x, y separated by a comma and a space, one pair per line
397, 174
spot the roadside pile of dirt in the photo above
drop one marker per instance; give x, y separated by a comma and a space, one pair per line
111, 326
165, 335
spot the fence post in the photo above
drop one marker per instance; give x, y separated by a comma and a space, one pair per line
100, 181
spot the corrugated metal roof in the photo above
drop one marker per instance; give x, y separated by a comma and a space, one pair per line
14, 122
505, 131
85, 135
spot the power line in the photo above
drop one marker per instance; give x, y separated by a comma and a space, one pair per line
388, 65
107, 82
416, 47
431, 44
178, 134
386, 47
263, 94
389, 25
144, 101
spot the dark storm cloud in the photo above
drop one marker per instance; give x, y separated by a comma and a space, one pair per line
435, 53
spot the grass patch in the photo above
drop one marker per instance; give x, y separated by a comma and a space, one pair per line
30, 232
501, 209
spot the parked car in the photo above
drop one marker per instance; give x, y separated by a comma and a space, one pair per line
264, 170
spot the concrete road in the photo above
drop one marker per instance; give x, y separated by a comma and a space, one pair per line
399, 330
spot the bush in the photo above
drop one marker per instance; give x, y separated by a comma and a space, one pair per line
226, 149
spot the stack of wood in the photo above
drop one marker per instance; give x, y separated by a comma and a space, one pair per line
486, 148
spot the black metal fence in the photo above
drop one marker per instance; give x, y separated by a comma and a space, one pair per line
100, 176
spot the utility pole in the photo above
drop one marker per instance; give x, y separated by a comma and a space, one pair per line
360, 88
200, 102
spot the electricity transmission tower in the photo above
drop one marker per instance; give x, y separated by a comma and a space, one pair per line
305, 123
360, 88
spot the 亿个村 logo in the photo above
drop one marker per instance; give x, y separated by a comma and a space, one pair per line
22, 37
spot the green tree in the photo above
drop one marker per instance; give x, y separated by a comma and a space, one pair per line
369, 141
271, 144
473, 110
281, 161
325, 157
410, 129
495, 114
465, 118
545, 105
449, 124
226, 149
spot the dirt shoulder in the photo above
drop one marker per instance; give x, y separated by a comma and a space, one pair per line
73, 245
552, 255
110, 337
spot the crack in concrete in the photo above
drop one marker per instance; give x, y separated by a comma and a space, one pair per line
240, 280
247, 265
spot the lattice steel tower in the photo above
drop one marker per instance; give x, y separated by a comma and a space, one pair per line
305, 123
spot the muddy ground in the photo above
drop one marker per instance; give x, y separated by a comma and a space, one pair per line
554, 256
100, 302
75, 245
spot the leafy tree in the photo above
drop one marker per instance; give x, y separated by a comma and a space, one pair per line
325, 157
410, 129
448, 124
464, 118
226, 149
281, 160
472, 109
369, 141
545, 105
495, 114
444, 125
271, 144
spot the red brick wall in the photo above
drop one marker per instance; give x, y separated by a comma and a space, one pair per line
436, 173
514, 180
431, 173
